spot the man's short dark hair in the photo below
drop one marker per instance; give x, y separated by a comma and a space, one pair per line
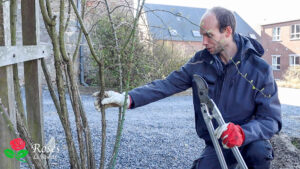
225, 18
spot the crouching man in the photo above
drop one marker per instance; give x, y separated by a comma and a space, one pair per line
251, 109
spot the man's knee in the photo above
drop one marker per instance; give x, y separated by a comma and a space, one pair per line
258, 153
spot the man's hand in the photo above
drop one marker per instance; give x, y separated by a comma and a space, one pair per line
111, 99
231, 135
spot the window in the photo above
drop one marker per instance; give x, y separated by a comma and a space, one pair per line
276, 62
178, 16
196, 33
294, 60
276, 34
173, 32
295, 32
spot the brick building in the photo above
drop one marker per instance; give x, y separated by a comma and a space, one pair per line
282, 45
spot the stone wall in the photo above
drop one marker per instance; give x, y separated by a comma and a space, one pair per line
95, 10
70, 37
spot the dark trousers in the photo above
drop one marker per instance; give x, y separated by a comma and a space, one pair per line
257, 155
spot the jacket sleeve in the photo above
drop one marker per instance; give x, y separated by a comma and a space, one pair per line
267, 120
177, 81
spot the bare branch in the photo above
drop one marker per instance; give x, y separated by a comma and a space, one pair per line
121, 119
50, 86
74, 162
73, 84
49, 10
119, 6
62, 31
79, 39
91, 9
69, 16
45, 14
116, 44
86, 34
13, 27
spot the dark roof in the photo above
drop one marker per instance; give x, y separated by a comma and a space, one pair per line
162, 21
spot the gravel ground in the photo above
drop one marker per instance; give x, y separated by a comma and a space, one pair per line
290, 100
159, 135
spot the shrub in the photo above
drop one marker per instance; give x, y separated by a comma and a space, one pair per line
150, 62
291, 78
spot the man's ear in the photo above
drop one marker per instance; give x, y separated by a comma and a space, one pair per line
228, 31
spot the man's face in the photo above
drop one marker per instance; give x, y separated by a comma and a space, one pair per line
213, 39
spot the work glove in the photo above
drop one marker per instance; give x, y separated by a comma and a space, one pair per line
111, 99
231, 135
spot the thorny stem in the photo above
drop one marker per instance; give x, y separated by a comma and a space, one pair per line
249, 81
116, 43
132, 37
120, 73
103, 118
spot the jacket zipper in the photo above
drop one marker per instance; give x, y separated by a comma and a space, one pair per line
220, 88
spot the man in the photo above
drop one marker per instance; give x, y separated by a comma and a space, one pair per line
240, 83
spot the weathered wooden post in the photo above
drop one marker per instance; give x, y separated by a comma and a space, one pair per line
32, 71
30, 53
6, 89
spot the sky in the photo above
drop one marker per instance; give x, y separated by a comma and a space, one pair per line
254, 12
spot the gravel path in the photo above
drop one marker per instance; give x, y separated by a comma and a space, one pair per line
290, 100
159, 135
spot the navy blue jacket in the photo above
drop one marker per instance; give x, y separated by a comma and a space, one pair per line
259, 116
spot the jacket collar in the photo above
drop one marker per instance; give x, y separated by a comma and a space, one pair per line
248, 45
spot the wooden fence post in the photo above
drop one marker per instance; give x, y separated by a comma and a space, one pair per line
30, 53
6, 91
32, 71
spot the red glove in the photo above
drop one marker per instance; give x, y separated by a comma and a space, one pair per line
231, 135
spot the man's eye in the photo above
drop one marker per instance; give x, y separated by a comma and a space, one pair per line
209, 35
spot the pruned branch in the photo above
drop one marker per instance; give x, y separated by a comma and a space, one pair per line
62, 112
122, 115
47, 19
85, 34
69, 16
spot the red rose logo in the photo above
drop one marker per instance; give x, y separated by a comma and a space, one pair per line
17, 144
